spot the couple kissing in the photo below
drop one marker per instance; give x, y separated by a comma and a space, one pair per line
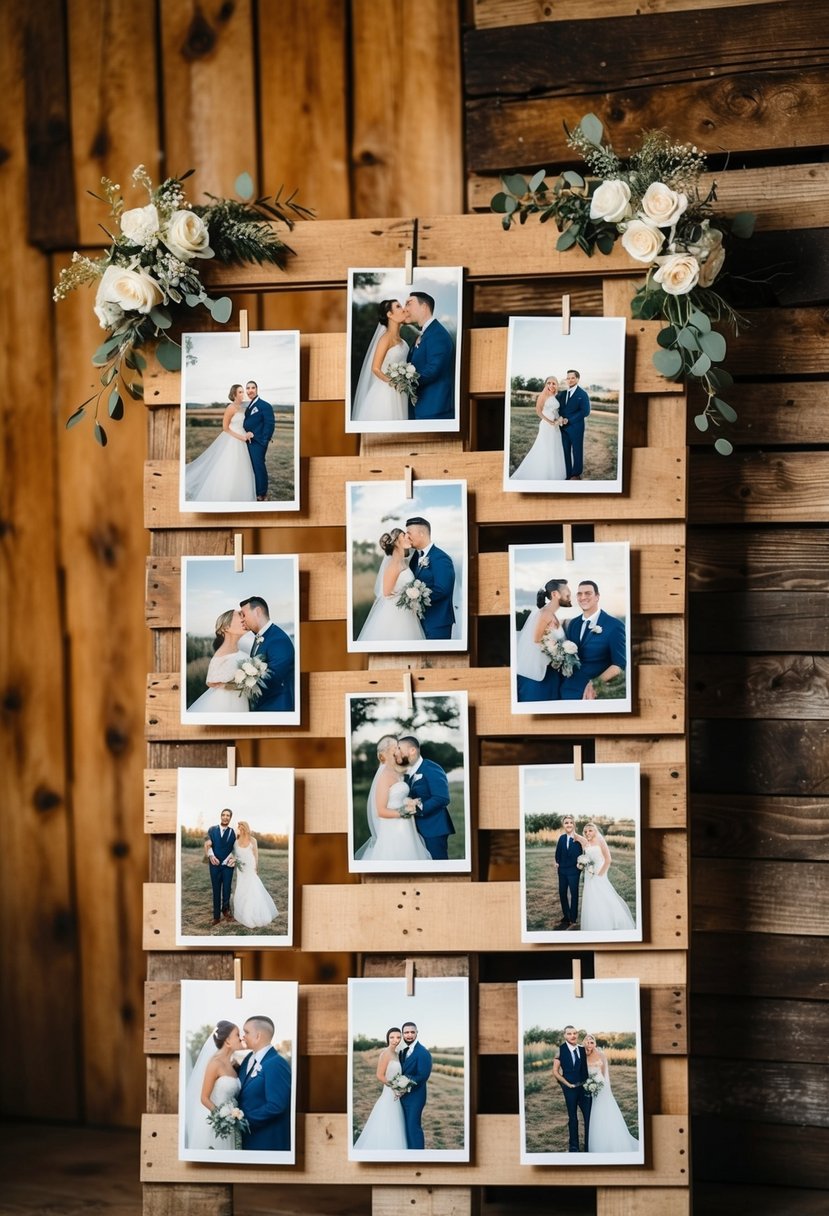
261, 679
414, 588
408, 806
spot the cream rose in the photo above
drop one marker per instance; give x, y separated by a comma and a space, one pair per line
611, 202
663, 206
713, 263
186, 236
677, 274
642, 240
140, 224
127, 290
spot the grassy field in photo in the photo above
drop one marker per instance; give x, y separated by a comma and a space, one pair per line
601, 440
457, 843
545, 1111
543, 904
443, 1122
197, 895
279, 460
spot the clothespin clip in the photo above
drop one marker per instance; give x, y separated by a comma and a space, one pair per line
408, 694
565, 315
578, 769
238, 555
577, 988
408, 474
410, 976
409, 264
568, 541
231, 765
237, 977
244, 335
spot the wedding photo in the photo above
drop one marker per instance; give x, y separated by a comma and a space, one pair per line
237, 1091
580, 853
570, 641
580, 1084
240, 641
407, 566
234, 864
564, 405
408, 1070
403, 352
240, 422
408, 783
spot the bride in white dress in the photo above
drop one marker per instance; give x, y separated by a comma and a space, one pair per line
213, 1081
385, 621
223, 472
393, 837
252, 905
602, 906
385, 1128
608, 1130
375, 399
220, 698
545, 459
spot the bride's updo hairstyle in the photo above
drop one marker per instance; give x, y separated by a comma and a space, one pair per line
548, 590
391, 1030
222, 1032
223, 623
383, 310
233, 390
389, 539
384, 744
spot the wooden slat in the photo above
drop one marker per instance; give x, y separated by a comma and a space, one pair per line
791, 415
775, 757
722, 558
745, 1028
750, 621
423, 916
739, 1150
760, 686
787, 1091
771, 828
724, 1198
797, 348
764, 487
784, 897
491, 14
43, 114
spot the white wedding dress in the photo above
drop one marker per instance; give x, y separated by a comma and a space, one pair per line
199, 1132
545, 459
602, 907
385, 1128
385, 621
223, 472
221, 700
374, 400
391, 839
608, 1131
252, 905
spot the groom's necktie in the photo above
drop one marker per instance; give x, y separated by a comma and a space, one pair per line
583, 629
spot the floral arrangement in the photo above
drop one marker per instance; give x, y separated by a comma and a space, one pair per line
153, 265
593, 1085
652, 200
249, 678
562, 653
404, 377
416, 597
402, 1085
228, 1122
586, 864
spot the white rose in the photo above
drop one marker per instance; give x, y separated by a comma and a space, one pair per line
130, 290
678, 273
569, 647
611, 202
713, 263
412, 592
186, 236
662, 205
642, 240
140, 224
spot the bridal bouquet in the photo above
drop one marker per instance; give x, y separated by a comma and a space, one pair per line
404, 377
593, 1085
563, 654
228, 1121
586, 864
249, 678
416, 597
153, 266
402, 1085
654, 202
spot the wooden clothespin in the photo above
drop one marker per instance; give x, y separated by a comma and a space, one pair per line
578, 991
568, 541
578, 767
410, 976
231, 765
238, 554
408, 694
565, 315
237, 977
244, 335
409, 264
408, 476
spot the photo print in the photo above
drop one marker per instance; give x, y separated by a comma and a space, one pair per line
234, 864
564, 405
240, 641
580, 1084
580, 853
407, 566
403, 354
570, 642
237, 1072
408, 1070
408, 783
240, 422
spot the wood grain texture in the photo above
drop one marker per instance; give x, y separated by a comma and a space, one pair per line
788, 1092
760, 686
752, 621
784, 897
747, 1028
763, 487
40, 42
738, 1150
745, 826
727, 559
491, 14
775, 757
788, 415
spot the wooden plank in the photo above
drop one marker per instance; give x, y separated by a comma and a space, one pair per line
775, 757
723, 1199
782, 829
635, 1201
789, 415
722, 558
783, 897
430, 1201
788, 1091
746, 1028
325, 1140
423, 917
764, 487
751, 621
755, 964
491, 14
780, 342
760, 686
744, 1150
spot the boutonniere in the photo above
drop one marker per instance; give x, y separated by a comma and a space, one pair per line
255, 409
422, 563
594, 628
417, 776
257, 1068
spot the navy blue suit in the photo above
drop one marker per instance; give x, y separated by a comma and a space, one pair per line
439, 577
433, 821
266, 1101
418, 1066
597, 652
572, 435
221, 876
568, 876
434, 359
277, 649
260, 421
576, 1099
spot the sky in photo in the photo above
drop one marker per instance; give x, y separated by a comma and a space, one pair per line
606, 563
607, 789
439, 1008
212, 587
607, 1005
594, 347
262, 796
271, 359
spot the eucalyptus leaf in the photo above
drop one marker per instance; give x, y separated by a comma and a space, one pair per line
728, 412
169, 356
109, 375
161, 318
135, 389
510, 204
714, 345
104, 351
573, 179
592, 129
668, 363
220, 311
701, 366
701, 422
138, 361
516, 184
244, 186
115, 408
568, 238
700, 321
720, 378
667, 336
498, 202
724, 447
536, 180
100, 434
742, 224
190, 300
687, 339
605, 242
75, 418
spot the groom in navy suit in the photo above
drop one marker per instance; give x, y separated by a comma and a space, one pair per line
433, 354
570, 1070
601, 642
416, 1064
568, 852
430, 798
573, 408
265, 1095
274, 646
436, 569
259, 424
218, 848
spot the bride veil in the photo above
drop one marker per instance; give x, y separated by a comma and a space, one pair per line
371, 814
529, 658
365, 378
195, 1115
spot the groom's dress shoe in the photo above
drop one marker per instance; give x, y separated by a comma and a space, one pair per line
227, 916
217, 920
562, 924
